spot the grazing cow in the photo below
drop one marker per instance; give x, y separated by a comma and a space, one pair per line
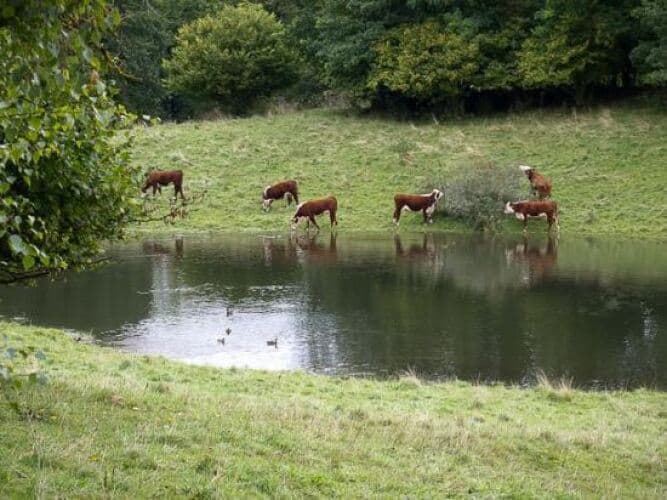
426, 203
284, 189
309, 209
539, 184
158, 178
536, 208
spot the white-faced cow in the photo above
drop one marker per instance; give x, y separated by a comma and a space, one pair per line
309, 209
540, 185
425, 203
537, 208
279, 190
158, 178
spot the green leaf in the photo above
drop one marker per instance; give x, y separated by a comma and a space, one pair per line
16, 244
28, 262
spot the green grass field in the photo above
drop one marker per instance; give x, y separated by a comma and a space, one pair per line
117, 425
607, 165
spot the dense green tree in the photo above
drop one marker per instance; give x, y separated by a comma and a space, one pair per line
424, 62
145, 37
231, 57
577, 44
65, 179
650, 56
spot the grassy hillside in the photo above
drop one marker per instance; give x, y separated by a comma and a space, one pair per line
607, 165
120, 425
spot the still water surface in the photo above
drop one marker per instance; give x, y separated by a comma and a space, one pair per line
442, 305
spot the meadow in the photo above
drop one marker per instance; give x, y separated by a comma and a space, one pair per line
117, 425
607, 166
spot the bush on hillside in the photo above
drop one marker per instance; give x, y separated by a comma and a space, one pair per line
477, 194
231, 58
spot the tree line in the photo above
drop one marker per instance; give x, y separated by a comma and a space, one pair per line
181, 56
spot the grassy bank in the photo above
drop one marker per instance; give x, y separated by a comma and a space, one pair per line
114, 424
607, 165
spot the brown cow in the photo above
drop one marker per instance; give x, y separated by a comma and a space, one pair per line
309, 209
158, 178
284, 189
426, 203
539, 184
542, 208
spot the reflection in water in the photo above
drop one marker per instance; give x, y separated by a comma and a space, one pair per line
444, 305
535, 259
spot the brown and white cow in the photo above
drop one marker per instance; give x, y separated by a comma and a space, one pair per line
534, 208
279, 190
309, 209
425, 203
539, 184
158, 178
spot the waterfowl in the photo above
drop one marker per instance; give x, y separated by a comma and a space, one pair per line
273, 342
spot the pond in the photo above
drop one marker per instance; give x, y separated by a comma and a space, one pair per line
466, 306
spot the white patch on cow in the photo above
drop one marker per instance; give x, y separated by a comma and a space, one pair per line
519, 216
543, 214
525, 168
430, 210
266, 190
508, 208
406, 209
438, 194
266, 204
395, 221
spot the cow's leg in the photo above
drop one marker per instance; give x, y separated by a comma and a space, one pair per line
525, 223
397, 215
312, 219
296, 197
425, 216
332, 218
178, 188
154, 189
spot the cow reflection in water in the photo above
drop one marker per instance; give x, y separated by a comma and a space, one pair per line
314, 251
155, 248
536, 259
278, 250
416, 251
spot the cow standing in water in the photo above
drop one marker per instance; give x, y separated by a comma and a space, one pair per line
284, 189
540, 185
309, 209
158, 178
425, 203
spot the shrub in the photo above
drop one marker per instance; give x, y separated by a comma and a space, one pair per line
232, 58
477, 194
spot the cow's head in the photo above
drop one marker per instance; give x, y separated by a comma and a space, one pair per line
437, 194
526, 169
509, 208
